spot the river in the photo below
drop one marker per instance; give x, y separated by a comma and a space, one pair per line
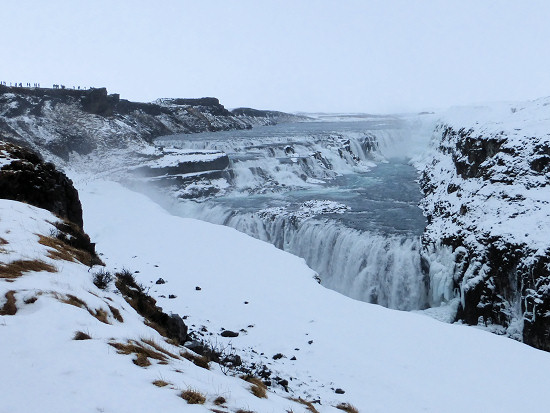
341, 195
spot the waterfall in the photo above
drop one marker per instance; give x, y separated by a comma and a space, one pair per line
263, 160
273, 170
376, 268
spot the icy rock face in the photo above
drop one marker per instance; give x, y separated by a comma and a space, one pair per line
487, 197
180, 162
66, 121
25, 177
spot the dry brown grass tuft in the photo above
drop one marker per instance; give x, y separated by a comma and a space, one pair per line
30, 300
159, 348
142, 353
192, 396
155, 326
9, 307
347, 408
172, 341
253, 380
116, 314
309, 405
258, 387
199, 361
101, 315
73, 300
141, 360
3, 242
63, 251
219, 400
244, 411
80, 335
161, 383
16, 268
258, 391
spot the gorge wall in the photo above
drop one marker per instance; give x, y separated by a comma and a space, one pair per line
65, 121
487, 195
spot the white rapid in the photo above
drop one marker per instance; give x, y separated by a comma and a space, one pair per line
376, 268
297, 155
371, 249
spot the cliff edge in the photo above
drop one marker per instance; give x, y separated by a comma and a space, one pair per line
487, 199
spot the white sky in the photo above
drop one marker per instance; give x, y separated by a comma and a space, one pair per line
368, 56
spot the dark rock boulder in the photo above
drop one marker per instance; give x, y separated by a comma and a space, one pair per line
170, 326
184, 167
98, 102
25, 177
229, 333
209, 104
176, 328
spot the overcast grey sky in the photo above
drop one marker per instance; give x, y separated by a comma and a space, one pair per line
368, 56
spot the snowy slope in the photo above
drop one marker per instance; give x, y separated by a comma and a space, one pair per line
384, 360
45, 370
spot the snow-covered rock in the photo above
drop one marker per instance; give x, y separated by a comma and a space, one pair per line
82, 121
25, 177
487, 194
92, 131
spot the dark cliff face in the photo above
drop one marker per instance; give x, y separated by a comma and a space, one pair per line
27, 178
482, 196
183, 168
98, 102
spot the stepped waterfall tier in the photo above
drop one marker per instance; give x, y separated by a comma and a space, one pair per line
341, 195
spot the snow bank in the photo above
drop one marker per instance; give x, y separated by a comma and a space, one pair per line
385, 360
44, 369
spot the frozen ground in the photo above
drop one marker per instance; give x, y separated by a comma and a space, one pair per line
386, 361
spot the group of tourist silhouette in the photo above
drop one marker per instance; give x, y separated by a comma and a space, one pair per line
20, 84
37, 85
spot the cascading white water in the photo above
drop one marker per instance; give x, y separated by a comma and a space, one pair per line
272, 160
379, 261
371, 267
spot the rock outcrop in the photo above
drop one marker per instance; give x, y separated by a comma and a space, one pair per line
25, 177
66, 121
96, 132
487, 198
267, 116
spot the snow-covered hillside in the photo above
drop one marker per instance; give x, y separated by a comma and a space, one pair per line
487, 194
384, 360
70, 345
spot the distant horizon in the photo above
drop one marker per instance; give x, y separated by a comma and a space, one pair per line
304, 112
